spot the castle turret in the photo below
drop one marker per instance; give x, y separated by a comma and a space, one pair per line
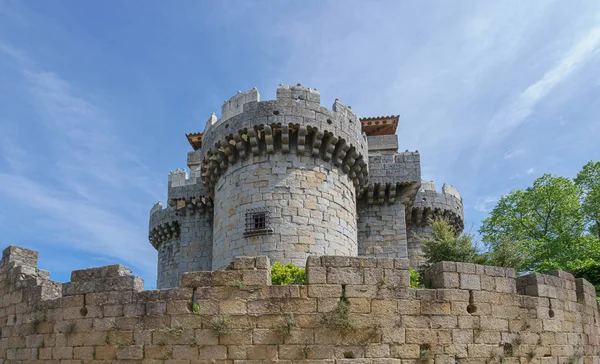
284, 175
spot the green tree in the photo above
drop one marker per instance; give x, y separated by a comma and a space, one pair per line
545, 222
588, 182
446, 245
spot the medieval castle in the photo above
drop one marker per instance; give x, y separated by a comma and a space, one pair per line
289, 178
291, 181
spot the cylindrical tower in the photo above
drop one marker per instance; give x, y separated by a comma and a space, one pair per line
182, 232
284, 175
428, 204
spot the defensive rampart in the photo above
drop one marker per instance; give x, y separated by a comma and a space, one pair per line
353, 310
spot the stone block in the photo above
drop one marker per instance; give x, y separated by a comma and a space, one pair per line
488, 283
384, 307
405, 351
506, 285
469, 281
313, 261
345, 275
240, 263
401, 264
109, 271
324, 290
131, 352
335, 261
60, 353
435, 308
397, 278
468, 268
229, 307
445, 280
541, 290
315, 274
258, 277
262, 262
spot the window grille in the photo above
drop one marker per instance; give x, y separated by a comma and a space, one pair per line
258, 222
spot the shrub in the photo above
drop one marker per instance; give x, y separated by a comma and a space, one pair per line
220, 325
415, 278
507, 253
446, 245
282, 275
338, 318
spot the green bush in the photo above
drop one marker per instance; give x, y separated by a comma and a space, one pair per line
282, 275
415, 278
446, 245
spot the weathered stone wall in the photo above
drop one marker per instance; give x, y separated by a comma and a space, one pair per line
382, 230
192, 251
353, 310
312, 210
182, 232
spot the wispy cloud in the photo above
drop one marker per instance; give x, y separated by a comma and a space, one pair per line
79, 224
509, 118
512, 154
527, 172
89, 196
485, 203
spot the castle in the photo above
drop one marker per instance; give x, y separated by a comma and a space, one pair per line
289, 178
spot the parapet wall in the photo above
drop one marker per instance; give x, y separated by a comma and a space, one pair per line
353, 310
293, 123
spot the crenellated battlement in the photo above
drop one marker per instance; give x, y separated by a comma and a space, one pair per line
430, 203
352, 310
293, 123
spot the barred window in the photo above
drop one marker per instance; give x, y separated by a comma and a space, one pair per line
258, 222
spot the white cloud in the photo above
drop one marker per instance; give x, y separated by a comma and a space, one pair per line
81, 224
508, 119
485, 203
512, 153
88, 184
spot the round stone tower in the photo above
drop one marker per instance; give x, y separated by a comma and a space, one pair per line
283, 176
428, 204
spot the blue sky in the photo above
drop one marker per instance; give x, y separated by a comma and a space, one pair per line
95, 99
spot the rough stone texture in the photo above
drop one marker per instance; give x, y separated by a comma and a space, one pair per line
382, 230
312, 210
106, 317
402, 167
385, 144
308, 166
191, 252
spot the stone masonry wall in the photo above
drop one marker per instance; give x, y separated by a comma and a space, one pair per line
312, 210
352, 311
189, 246
192, 251
382, 230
